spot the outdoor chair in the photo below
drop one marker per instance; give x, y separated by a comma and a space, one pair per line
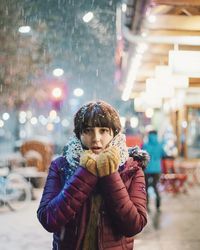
172, 181
37, 154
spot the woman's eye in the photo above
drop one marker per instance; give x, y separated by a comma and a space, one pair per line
87, 130
105, 130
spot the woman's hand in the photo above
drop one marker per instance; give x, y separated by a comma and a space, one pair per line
88, 160
108, 161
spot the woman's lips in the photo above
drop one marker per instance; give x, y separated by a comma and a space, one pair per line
96, 150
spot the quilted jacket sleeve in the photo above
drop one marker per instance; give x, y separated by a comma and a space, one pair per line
127, 207
60, 204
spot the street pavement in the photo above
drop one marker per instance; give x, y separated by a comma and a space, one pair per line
176, 227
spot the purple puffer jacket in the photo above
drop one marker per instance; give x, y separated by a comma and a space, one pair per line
65, 206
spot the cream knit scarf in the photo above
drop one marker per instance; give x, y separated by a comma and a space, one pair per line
73, 149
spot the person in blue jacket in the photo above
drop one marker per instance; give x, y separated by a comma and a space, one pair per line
154, 168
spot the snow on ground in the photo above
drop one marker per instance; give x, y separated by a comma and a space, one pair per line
21, 230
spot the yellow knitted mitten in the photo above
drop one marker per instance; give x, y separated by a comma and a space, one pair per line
88, 161
108, 161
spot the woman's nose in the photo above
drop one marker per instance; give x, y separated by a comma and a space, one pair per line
96, 136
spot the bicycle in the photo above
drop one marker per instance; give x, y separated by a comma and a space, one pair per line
15, 190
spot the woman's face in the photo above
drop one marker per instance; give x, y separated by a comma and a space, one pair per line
96, 138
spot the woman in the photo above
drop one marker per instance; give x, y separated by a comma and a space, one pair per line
94, 196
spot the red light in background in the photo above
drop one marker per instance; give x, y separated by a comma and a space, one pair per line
57, 93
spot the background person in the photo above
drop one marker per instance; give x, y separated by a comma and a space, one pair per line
154, 167
94, 196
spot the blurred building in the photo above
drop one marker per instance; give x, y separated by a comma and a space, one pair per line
158, 61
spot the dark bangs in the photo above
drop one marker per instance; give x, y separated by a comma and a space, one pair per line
96, 114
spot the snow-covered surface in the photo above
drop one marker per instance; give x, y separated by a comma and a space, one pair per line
21, 230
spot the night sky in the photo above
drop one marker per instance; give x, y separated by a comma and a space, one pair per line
84, 50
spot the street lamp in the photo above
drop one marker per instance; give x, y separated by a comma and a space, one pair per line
78, 92
88, 17
58, 72
24, 29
